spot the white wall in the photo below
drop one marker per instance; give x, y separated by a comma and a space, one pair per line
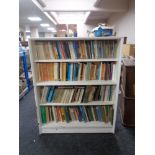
125, 23
82, 29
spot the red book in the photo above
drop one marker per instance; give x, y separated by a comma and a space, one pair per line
62, 50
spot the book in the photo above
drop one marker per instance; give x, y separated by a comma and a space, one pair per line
58, 50
68, 71
43, 114
47, 115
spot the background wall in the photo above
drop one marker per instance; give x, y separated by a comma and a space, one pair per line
82, 29
125, 23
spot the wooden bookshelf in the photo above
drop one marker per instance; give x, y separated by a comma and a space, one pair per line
92, 118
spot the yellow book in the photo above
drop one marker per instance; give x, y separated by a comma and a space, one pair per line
64, 72
51, 71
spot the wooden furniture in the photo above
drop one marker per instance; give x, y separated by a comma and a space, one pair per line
127, 106
76, 126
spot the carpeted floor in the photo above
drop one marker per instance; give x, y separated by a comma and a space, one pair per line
120, 143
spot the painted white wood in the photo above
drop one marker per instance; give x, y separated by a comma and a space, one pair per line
79, 60
77, 130
120, 46
33, 66
75, 38
76, 127
65, 83
74, 124
79, 104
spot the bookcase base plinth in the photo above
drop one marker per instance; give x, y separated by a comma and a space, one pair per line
76, 130
77, 127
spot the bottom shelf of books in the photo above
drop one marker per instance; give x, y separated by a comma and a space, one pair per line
76, 117
72, 109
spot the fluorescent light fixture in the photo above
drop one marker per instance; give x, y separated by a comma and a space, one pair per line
44, 25
54, 22
51, 28
34, 18
27, 31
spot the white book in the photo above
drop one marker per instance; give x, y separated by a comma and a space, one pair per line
106, 93
102, 92
66, 96
50, 50
72, 92
113, 92
61, 71
71, 72
44, 93
54, 114
71, 50
77, 95
63, 96
79, 71
40, 51
81, 95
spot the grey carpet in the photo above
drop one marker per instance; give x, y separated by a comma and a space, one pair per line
120, 143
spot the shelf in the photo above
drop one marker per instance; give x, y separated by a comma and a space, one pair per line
76, 38
75, 124
65, 83
79, 60
79, 104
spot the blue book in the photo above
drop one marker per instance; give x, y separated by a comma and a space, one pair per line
69, 71
51, 94
92, 49
75, 49
48, 92
58, 50
99, 71
98, 114
101, 112
74, 74
83, 114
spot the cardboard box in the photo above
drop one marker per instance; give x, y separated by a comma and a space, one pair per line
128, 50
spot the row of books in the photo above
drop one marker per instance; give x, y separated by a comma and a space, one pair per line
76, 94
77, 113
76, 49
76, 71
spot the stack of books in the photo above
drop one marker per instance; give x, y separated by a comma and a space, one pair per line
76, 94
77, 113
76, 49
76, 71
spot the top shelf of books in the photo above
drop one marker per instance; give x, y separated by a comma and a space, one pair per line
74, 48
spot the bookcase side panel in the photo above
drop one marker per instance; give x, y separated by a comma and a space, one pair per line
36, 95
118, 70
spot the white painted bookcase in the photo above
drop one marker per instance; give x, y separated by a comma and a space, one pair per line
76, 127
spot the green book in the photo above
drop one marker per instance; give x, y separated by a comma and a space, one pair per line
43, 114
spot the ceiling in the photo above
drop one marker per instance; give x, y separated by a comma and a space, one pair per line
27, 9
86, 11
